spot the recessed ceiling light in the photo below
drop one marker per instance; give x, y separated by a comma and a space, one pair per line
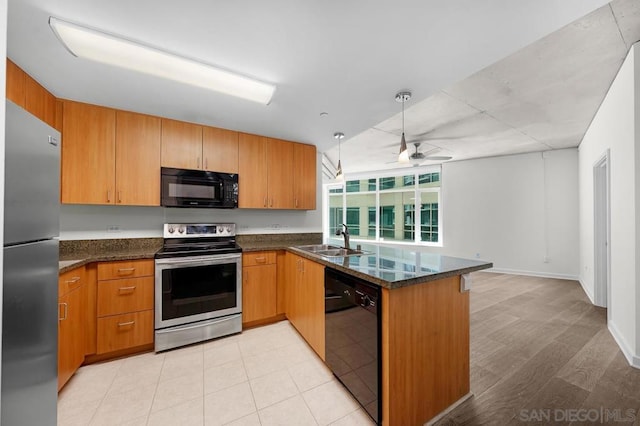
324, 114
113, 50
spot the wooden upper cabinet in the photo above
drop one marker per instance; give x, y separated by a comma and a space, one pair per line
220, 150
16, 89
24, 91
39, 102
88, 154
304, 176
181, 145
252, 171
280, 174
137, 159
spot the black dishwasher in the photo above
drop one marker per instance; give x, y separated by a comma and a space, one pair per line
352, 329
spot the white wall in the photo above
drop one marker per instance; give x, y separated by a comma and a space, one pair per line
83, 222
517, 211
614, 128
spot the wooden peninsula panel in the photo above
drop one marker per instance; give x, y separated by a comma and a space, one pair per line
425, 350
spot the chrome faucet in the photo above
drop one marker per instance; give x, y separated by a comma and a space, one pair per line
344, 233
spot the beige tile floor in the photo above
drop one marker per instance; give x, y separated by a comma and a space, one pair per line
264, 376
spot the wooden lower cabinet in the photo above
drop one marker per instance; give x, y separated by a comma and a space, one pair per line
125, 331
425, 350
259, 290
124, 306
71, 343
305, 300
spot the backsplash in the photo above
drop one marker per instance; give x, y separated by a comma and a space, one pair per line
88, 222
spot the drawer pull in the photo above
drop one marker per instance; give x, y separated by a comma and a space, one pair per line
260, 259
124, 324
73, 280
127, 289
126, 269
66, 311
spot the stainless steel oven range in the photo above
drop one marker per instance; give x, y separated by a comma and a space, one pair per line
198, 284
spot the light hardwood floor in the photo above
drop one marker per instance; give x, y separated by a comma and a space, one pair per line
540, 348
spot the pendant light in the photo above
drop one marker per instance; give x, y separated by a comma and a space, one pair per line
403, 156
339, 175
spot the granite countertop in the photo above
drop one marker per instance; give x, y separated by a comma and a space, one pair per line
74, 254
258, 242
392, 267
386, 266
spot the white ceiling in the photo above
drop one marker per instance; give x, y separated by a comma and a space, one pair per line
539, 98
347, 58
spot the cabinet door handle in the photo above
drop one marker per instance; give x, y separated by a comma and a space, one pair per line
271, 203
260, 259
296, 203
127, 289
108, 196
119, 196
129, 270
66, 311
73, 280
206, 162
198, 162
124, 324
265, 201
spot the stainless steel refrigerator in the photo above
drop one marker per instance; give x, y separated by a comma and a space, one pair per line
30, 282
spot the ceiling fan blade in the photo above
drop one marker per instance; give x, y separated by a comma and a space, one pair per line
438, 157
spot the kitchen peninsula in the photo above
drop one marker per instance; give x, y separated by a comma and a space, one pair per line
424, 327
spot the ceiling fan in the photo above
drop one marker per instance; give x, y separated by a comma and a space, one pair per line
418, 157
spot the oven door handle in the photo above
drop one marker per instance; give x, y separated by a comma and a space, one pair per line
198, 260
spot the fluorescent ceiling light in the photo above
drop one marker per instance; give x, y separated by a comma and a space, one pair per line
101, 47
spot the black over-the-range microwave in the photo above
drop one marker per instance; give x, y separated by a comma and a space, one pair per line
198, 188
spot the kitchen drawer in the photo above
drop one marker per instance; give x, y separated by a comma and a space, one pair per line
125, 269
258, 258
70, 280
125, 295
125, 331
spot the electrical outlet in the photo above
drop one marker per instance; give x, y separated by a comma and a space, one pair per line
113, 228
477, 255
276, 226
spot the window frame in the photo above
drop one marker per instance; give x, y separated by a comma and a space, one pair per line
417, 206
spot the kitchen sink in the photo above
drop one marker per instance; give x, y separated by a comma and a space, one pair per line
332, 251
315, 248
341, 252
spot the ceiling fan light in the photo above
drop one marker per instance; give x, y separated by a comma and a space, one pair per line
403, 157
113, 50
339, 175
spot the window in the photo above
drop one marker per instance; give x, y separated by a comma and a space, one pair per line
403, 208
372, 222
387, 221
353, 220
335, 219
387, 183
409, 222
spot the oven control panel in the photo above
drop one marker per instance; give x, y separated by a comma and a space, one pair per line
199, 230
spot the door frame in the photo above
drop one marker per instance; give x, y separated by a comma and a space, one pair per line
602, 231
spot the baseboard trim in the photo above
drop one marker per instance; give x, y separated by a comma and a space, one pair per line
532, 273
587, 292
631, 357
448, 409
